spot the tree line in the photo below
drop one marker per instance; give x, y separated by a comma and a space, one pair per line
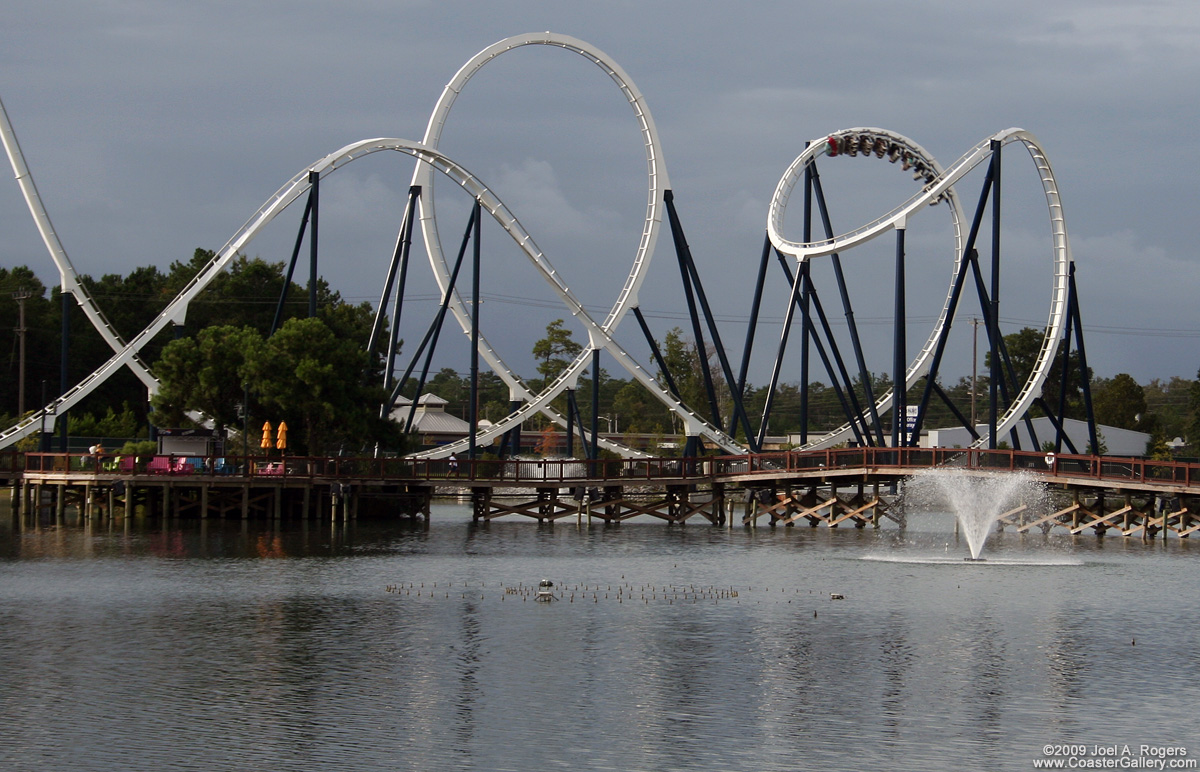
317, 375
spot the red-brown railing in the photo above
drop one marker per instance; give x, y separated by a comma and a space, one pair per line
529, 473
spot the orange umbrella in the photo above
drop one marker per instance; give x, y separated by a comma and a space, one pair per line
266, 440
282, 443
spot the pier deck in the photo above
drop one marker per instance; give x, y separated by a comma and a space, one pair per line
857, 486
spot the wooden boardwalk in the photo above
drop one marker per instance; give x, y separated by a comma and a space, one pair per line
829, 488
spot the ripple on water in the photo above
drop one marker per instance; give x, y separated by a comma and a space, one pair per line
203, 649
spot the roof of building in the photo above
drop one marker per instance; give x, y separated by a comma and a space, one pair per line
1118, 442
431, 416
427, 400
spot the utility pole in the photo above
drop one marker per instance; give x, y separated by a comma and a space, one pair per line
974, 368
21, 295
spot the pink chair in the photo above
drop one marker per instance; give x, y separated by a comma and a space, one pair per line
159, 465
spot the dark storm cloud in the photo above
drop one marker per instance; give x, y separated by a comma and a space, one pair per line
154, 128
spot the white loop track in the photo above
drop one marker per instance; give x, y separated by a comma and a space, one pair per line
599, 334
941, 186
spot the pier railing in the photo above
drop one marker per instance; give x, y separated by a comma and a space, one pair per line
534, 472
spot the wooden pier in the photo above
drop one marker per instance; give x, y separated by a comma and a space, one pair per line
830, 488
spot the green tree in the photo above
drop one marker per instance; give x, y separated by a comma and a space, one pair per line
312, 379
1193, 424
555, 351
639, 412
111, 424
682, 358
1119, 402
208, 374
1023, 349
41, 340
1168, 403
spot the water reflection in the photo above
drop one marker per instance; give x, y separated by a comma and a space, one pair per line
249, 645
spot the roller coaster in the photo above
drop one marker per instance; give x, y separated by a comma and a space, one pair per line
1010, 401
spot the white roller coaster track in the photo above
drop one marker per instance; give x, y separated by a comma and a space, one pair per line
599, 335
295, 188
941, 186
68, 279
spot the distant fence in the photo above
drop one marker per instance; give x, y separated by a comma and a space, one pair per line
531, 472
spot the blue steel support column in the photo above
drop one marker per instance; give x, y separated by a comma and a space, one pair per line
847, 410
1008, 374
315, 180
805, 296
755, 305
692, 279
403, 248
739, 411
854, 413
899, 353
474, 411
994, 314
432, 334
512, 438
388, 281
968, 257
1064, 374
1083, 367
64, 366
658, 357
595, 451
805, 347
848, 310
697, 331
572, 409
287, 279
793, 301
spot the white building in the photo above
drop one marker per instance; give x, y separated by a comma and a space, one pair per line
1116, 442
431, 422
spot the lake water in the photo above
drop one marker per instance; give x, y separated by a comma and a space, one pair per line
231, 646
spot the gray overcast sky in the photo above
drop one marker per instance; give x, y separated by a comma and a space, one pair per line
153, 128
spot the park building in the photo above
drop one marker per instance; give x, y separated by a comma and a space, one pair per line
1113, 441
430, 422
